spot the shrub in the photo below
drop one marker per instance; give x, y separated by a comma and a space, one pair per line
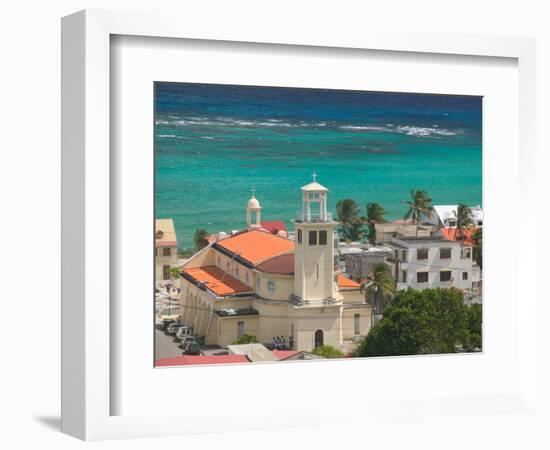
328, 351
245, 339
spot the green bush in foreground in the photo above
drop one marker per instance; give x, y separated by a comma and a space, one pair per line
328, 351
428, 321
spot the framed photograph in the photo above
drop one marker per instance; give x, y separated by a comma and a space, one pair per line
305, 216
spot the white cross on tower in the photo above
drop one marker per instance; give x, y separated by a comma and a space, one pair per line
253, 191
314, 175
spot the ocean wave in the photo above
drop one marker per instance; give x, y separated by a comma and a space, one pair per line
199, 121
409, 130
425, 131
184, 121
166, 135
363, 128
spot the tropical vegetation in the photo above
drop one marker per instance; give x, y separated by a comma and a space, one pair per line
478, 247
463, 221
379, 287
328, 351
375, 214
420, 205
200, 239
175, 273
245, 339
351, 223
428, 321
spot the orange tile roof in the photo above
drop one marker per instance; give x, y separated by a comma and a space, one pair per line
281, 264
256, 246
344, 282
217, 280
451, 234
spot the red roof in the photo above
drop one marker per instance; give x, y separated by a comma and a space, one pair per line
346, 283
282, 264
273, 225
256, 246
284, 354
451, 234
217, 280
160, 243
189, 360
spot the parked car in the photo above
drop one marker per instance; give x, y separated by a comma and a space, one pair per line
187, 339
192, 348
165, 323
173, 328
183, 331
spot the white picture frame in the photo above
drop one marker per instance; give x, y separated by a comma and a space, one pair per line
87, 383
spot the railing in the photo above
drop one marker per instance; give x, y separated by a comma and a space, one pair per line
313, 217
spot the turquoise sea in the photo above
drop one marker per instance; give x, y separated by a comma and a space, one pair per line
213, 143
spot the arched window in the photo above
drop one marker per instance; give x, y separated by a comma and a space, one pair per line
319, 338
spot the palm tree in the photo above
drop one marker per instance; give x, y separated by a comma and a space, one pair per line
463, 221
175, 273
375, 214
419, 205
380, 286
201, 239
355, 230
348, 215
478, 247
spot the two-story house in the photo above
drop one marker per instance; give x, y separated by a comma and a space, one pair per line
433, 262
166, 250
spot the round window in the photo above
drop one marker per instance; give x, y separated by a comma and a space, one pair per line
271, 286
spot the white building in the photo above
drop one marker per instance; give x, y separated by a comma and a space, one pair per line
422, 263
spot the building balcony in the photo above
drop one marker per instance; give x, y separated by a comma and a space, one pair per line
313, 217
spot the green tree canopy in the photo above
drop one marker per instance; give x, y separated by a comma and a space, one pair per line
474, 335
429, 321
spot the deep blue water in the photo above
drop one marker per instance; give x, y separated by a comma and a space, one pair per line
213, 143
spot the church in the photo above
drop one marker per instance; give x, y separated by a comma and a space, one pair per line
265, 284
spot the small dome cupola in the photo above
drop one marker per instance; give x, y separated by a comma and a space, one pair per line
253, 203
253, 206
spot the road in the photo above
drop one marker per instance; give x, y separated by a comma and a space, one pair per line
165, 347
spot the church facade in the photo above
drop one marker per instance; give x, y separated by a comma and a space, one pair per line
264, 284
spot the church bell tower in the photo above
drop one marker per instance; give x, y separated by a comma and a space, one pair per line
314, 252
